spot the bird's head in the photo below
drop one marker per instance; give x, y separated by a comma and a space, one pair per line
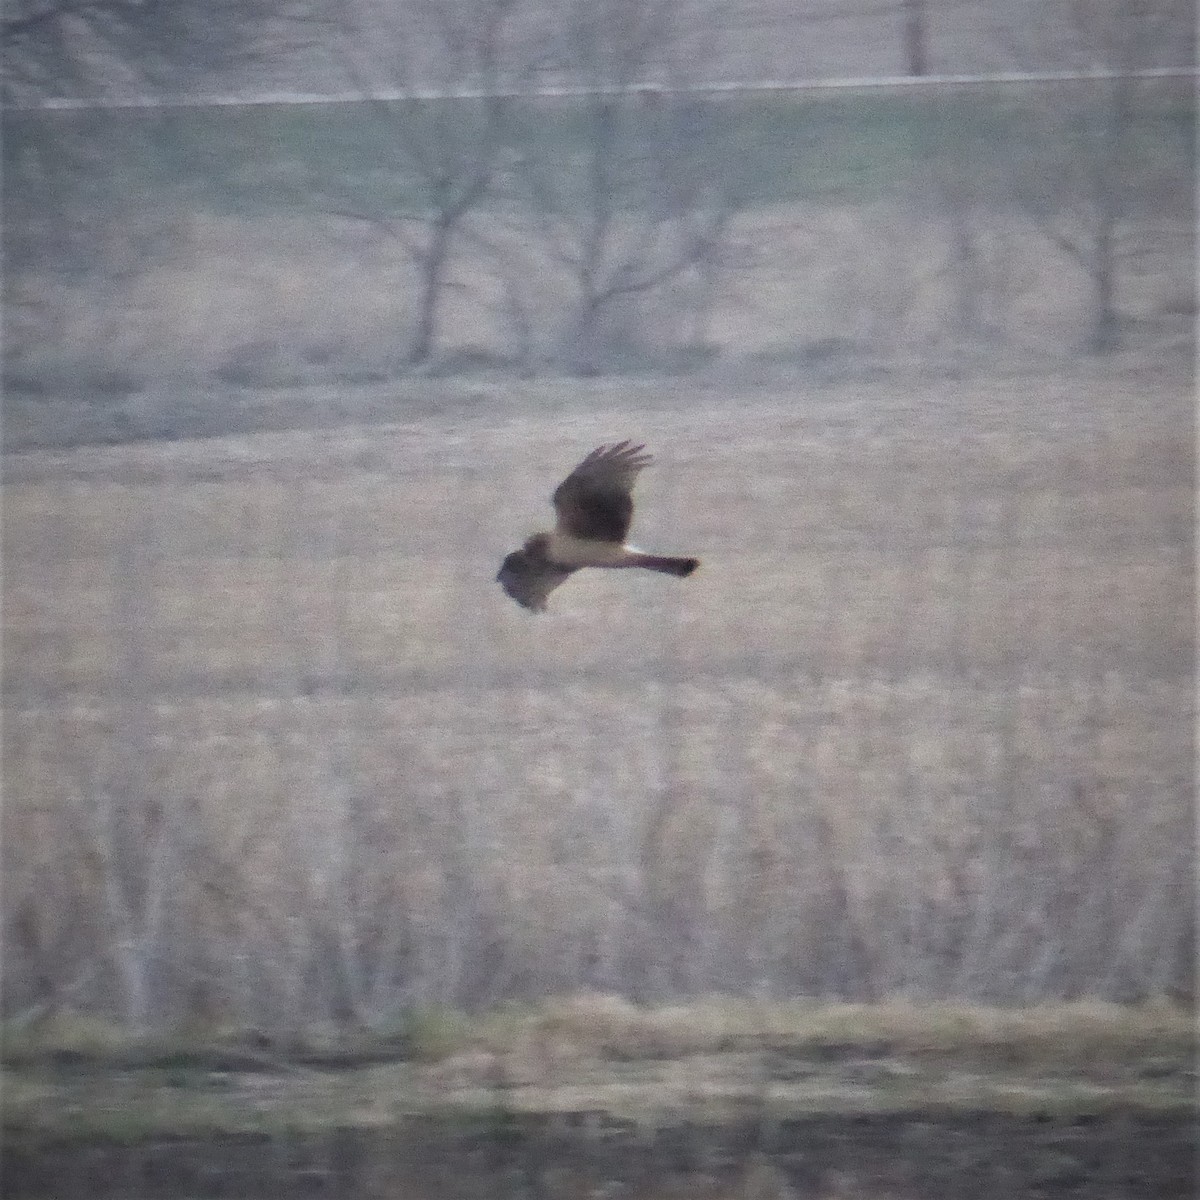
514, 575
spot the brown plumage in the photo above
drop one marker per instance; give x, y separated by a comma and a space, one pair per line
594, 505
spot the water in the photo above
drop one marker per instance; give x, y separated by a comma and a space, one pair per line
865, 1157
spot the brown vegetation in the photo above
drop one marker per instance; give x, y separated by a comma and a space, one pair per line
277, 751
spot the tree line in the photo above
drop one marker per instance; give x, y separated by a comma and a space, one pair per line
645, 200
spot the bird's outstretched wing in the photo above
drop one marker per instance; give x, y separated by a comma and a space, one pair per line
594, 501
529, 578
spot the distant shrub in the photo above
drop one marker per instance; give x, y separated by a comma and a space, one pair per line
469, 360
64, 1033
85, 377
260, 363
435, 1031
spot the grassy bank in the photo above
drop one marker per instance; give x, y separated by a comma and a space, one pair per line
719, 1061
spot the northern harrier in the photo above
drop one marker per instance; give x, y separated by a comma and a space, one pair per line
595, 507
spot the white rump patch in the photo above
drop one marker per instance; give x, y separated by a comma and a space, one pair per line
587, 552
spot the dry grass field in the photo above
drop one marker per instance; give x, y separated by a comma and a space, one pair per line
278, 750
858, 865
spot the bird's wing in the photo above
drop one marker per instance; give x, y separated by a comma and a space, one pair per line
529, 580
594, 501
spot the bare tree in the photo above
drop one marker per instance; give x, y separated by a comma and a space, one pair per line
916, 36
72, 240
1085, 171
643, 195
439, 79
84, 48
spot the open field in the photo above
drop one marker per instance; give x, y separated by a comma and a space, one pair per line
858, 866
279, 751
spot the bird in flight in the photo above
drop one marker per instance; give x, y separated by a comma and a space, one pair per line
594, 505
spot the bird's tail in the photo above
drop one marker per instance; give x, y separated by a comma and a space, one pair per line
666, 563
